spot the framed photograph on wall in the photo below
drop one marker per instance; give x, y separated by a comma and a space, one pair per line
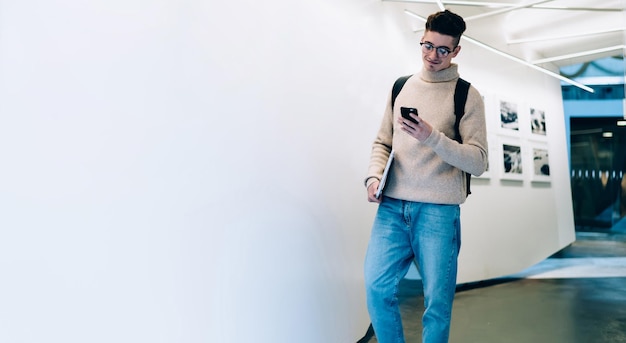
537, 122
509, 117
512, 167
540, 162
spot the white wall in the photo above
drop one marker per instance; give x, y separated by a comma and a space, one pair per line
191, 171
511, 225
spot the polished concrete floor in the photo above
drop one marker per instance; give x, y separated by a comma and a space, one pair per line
576, 296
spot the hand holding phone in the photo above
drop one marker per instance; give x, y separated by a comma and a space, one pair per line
405, 111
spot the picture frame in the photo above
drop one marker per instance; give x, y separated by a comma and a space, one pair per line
509, 110
512, 159
539, 162
537, 121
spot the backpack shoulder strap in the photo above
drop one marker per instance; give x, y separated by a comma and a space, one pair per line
397, 87
460, 98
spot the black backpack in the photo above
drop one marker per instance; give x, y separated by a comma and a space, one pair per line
460, 97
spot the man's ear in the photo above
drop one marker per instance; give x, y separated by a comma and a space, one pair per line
456, 51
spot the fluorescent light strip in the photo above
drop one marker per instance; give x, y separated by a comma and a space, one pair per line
513, 58
579, 54
500, 11
503, 5
530, 65
504, 10
416, 16
589, 33
459, 3
585, 9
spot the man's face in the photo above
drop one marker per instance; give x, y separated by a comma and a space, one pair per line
433, 44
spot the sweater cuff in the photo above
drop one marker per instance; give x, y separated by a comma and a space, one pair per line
433, 139
368, 180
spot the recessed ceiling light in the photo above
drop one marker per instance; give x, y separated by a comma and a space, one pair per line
607, 134
621, 123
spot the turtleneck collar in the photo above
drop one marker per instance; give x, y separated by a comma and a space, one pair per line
447, 74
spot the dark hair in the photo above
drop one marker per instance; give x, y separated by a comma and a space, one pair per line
446, 23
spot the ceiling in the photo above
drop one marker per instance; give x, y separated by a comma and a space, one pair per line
539, 32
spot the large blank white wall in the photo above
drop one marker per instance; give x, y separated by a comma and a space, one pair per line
191, 171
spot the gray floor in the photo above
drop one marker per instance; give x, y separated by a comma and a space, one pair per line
578, 307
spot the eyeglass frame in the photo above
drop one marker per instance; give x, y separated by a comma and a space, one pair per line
442, 51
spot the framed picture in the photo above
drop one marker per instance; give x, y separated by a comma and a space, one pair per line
509, 117
512, 167
537, 122
540, 162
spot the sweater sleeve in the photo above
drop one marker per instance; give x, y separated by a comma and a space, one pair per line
471, 155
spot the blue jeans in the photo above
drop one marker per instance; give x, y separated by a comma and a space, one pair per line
405, 231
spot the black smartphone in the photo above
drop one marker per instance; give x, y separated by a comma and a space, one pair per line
405, 113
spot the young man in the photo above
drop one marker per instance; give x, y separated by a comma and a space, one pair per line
418, 213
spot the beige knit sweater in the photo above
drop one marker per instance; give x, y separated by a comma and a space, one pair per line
431, 171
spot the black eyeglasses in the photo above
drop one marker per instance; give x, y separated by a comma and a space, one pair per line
442, 51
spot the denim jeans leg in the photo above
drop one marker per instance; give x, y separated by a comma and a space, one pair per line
437, 243
389, 255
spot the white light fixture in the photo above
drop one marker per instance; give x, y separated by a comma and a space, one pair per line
530, 65
457, 3
621, 123
504, 10
607, 134
507, 5
579, 54
573, 35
